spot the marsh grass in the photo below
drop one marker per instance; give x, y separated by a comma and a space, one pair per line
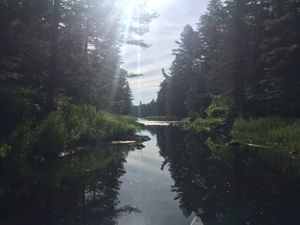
276, 141
275, 132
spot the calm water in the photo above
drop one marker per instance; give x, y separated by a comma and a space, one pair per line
173, 178
148, 187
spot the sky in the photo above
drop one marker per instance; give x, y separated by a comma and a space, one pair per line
164, 31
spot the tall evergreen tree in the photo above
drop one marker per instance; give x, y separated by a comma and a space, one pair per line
246, 52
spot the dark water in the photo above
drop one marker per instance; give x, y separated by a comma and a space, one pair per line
175, 177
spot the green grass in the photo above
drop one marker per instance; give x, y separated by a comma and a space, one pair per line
62, 130
276, 141
269, 131
96, 125
129, 119
162, 118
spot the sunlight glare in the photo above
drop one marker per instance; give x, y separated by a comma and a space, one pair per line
151, 4
154, 4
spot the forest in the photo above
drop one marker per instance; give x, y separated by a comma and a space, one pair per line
60, 72
65, 99
237, 72
62, 90
244, 55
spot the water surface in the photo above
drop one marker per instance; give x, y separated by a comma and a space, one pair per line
175, 177
147, 187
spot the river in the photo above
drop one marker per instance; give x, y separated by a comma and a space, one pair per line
148, 187
172, 179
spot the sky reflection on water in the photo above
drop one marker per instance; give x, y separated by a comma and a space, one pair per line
148, 188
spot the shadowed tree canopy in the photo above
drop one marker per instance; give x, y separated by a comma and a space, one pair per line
244, 51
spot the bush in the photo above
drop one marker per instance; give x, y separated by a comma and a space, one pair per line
46, 139
79, 125
186, 123
201, 124
113, 127
21, 142
17, 104
215, 115
51, 135
217, 108
130, 119
4, 150
87, 124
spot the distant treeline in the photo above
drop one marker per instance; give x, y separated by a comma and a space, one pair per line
144, 110
244, 54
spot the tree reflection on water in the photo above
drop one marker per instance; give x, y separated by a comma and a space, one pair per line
231, 186
222, 186
81, 188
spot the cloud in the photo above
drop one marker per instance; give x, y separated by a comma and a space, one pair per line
149, 65
165, 30
145, 88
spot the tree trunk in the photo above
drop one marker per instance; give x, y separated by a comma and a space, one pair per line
86, 43
51, 86
239, 73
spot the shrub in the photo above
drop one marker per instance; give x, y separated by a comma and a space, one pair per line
51, 135
129, 119
205, 124
186, 123
201, 125
4, 150
17, 104
78, 125
21, 142
113, 127
217, 108
87, 124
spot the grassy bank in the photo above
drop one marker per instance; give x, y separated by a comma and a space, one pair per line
276, 141
62, 130
269, 131
279, 138
273, 132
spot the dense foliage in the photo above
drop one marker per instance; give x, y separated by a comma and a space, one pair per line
63, 132
61, 88
245, 52
60, 69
